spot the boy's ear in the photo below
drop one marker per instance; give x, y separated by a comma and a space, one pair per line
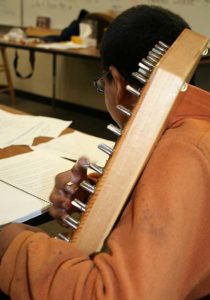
123, 97
119, 83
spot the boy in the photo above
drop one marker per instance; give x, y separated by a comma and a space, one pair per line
160, 248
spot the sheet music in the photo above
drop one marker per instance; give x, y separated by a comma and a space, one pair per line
32, 172
18, 206
22, 129
76, 144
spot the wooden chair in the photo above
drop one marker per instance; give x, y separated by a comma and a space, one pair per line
4, 67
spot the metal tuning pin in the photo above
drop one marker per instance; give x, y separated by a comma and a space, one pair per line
163, 45
96, 168
154, 56
152, 59
184, 87
148, 63
71, 222
124, 110
133, 91
106, 149
205, 52
144, 72
139, 77
160, 49
87, 186
61, 236
157, 52
79, 205
146, 66
143, 66
114, 129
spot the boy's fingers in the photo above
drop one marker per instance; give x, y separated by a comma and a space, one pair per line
57, 213
79, 170
75, 175
71, 188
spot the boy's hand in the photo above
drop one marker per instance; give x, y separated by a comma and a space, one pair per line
67, 188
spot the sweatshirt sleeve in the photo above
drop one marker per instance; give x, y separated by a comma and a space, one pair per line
159, 249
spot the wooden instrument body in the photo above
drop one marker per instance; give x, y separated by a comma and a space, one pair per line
138, 140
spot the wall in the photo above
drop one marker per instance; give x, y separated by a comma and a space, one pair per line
10, 12
62, 12
196, 12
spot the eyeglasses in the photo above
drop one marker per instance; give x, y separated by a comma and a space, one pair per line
99, 83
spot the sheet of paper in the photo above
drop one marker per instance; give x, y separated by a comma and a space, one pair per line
33, 172
77, 144
22, 129
61, 46
18, 206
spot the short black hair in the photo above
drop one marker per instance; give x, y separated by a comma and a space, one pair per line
134, 33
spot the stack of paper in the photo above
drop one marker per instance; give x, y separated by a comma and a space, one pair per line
18, 206
22, 129
31, 176
77, 144
33, 172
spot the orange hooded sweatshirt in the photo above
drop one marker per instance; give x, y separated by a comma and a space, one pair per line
159, 250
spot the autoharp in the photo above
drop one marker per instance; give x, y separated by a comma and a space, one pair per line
164, 73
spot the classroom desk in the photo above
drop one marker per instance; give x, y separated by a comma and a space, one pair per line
89, 53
